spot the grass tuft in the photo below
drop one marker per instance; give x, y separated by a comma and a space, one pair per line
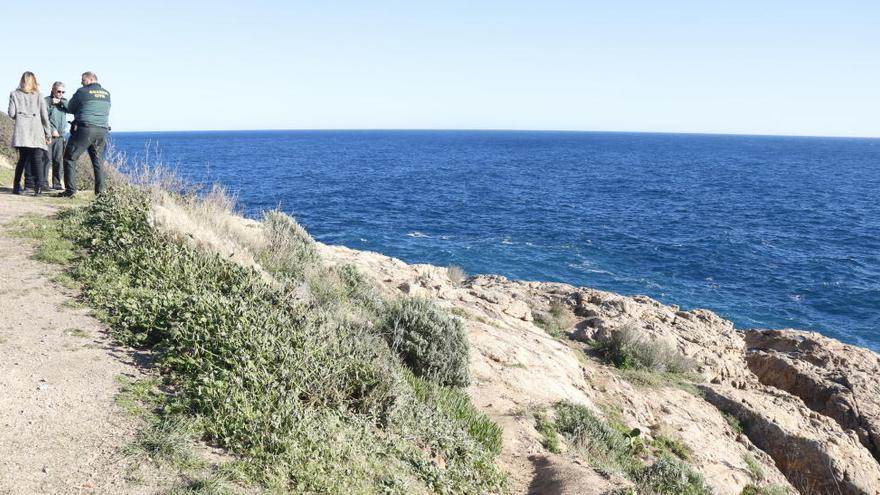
456, 274
555, 321
547, 429
627, 349
611, 450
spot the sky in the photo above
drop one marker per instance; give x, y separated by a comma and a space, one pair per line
746, 67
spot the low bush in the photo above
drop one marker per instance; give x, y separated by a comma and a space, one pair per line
764, 490
431, 343
290, 250
554, 321
670, 476
547, 429
609, 449
628, 349
456, 274
310, 398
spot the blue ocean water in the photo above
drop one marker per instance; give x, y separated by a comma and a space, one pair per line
766, 231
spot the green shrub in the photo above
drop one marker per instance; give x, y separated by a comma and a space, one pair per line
672, 446
627, 349
289, 250
548, 431
670, 476
310, 399
606, 447
555, 321
610, 449
431, 343
764, 490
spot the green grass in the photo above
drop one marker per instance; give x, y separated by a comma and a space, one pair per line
547, 429
292, 376
641, 377
734, 423
167, 440
139, 397
610, 450
6, 176
672, 446
78, 332
555, 321
628, 348
764, 490
754, 467
52, 246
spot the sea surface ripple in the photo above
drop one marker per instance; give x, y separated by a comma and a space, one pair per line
766, 231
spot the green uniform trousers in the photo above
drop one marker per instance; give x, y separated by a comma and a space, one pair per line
91, 139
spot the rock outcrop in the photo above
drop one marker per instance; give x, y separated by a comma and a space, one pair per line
806, 407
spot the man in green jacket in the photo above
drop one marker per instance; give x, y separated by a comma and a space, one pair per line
56, 103
90, 106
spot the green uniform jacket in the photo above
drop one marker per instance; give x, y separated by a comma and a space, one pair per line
57, 115
91, 105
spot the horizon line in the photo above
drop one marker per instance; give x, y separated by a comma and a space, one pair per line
440, 129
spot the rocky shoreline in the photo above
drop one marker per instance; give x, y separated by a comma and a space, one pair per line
786, 408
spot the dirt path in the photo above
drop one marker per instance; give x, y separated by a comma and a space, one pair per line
60, 431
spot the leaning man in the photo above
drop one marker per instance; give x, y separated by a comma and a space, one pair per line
90, 106
56, 103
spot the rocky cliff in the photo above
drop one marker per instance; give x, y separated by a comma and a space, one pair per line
763, 411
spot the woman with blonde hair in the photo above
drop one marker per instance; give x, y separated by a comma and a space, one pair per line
31, 133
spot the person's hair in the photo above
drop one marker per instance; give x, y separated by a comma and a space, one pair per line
56, 85
28, 83
90, 76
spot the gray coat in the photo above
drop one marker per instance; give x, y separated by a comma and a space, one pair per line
32, 126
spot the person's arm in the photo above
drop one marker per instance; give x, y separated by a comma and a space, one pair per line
62, 105
12, 110
55, 132
73, 104
44, 116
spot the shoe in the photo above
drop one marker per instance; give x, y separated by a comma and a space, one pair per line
67, 194
38, 191
58, 188
16, 191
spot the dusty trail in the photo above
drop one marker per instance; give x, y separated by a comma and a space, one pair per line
60, 431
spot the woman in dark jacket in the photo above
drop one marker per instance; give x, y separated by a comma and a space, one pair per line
32, 131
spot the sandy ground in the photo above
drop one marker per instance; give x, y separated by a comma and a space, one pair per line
60, 431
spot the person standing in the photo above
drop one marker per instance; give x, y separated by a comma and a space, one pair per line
56, 104
90, 106
31, 132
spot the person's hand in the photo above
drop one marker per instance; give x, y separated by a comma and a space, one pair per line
48, 140
55, 134
56, 101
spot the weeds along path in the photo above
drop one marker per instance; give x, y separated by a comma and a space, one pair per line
60, 431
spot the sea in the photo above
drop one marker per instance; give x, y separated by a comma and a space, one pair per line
769, 232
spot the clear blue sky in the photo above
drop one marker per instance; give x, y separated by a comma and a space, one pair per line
769, 67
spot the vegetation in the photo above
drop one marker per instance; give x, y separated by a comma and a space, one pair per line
609, 449
432, 344
555, 321
456, 274
626, 349
307, 375
548, 430
754, 467
765, 490
733, 422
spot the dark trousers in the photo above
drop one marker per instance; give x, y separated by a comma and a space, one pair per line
54, 162
93, 140
30, 159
